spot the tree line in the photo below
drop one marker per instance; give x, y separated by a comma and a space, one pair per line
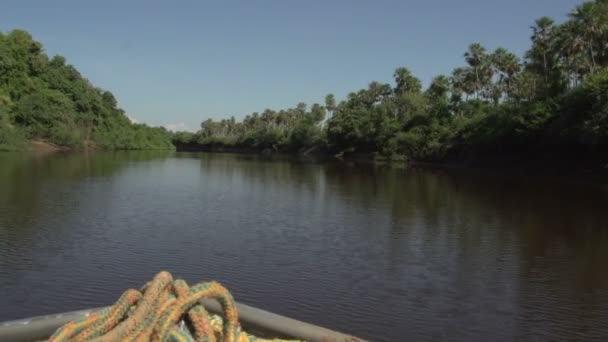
46, 98
552, 100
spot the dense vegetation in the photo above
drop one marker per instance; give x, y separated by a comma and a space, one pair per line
47, 99
553, 103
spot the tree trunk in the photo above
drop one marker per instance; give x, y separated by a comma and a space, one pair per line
545, 65
592, 55
478, 84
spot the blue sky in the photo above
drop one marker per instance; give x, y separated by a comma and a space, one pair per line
179, 62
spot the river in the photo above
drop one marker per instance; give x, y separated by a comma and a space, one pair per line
383, 252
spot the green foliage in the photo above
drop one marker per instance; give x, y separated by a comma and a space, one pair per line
290, 130
305, 135
133, 137
583, 117
11, 138
406, 82
183, 138
50, 100
41, 110
556, 99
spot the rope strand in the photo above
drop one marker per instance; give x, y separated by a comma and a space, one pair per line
154, 314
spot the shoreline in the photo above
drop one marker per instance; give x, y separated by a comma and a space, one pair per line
41, 146
592, 167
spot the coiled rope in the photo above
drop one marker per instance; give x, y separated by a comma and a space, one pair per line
164, 310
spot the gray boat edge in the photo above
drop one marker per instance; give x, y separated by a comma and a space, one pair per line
41, 327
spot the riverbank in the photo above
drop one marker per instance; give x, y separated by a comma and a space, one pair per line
315, 151
45, 146
36, 146
592, 166
41, 146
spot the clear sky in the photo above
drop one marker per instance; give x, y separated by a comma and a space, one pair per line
179, 62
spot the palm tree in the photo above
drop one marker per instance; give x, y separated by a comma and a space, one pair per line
477, 59
593, 21
330, 103
506, 65
570, 47
584, 15
439, 88
542, 38
462, 82
459, 85
267, 117
406, 82
377, 91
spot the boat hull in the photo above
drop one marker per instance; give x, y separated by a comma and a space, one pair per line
252, 319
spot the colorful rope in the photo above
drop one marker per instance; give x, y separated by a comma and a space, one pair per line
164, 310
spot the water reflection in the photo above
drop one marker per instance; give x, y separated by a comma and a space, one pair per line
23, 176
378, 251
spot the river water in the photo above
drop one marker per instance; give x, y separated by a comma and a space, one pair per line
385, 253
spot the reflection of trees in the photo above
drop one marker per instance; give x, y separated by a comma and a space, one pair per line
45, 211
481, 208
476, 207
434, 238
463, 223
264, 172
23, 176
528, 243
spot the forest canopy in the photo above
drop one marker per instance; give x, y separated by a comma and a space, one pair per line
47, 99
551, 101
